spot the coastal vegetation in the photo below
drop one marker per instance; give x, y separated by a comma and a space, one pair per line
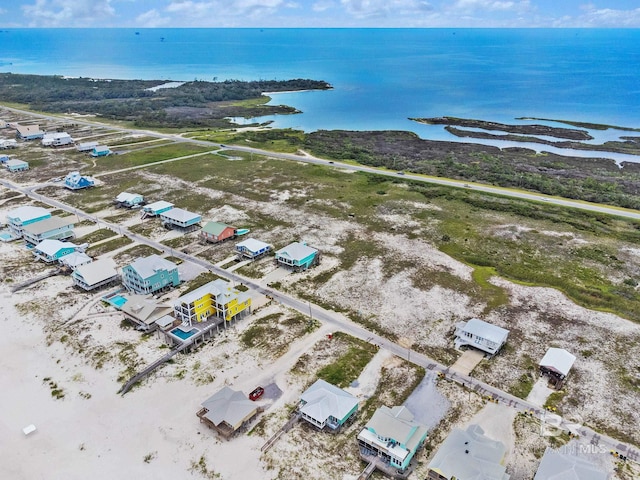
191, 104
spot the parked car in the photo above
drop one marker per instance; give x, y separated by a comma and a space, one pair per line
256, 393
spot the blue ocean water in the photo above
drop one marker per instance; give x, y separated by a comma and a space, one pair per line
381, 77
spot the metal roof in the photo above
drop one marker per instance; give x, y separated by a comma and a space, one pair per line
559, 360
97, 271
48, 224
179, 215
296, 251
324, 400
159, 205
215, 228
148, 266
144, 308
470, 454
252, 245
75, 259
214, 288
229, 406
129, 197
396, 423
480, 328
26, 213
51, 247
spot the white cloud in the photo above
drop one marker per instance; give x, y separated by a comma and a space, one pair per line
362, 9
607, 17
152, 19
323, 5
490, 5
222, 8
67, 13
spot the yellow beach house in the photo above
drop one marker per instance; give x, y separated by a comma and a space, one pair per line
215, 299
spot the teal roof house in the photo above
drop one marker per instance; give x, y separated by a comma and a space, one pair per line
75, 181
180, 219
297, 255
393, 437
16, 165
325, 405
252, 248
100, 151
53, 250
53, 228
150, 274
156, 208
129, 200
20, 217
95, 274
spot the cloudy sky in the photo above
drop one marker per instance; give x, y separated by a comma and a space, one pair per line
320, 13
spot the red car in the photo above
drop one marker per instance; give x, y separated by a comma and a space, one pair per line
256, 394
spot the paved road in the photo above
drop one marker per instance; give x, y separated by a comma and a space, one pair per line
512, 193
599, 442
595, 441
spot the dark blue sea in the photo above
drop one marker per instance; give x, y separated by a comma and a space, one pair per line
381, 77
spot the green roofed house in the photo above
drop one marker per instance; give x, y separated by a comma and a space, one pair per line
228, 411
391, 439
298, 256
469, 454
215, 232
325, 405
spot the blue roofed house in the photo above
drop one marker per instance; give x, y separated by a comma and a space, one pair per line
325, 405
53, 250
20, 217
75, 181
252, 248
129, 200
392, 436
86, 146
156, 208
54, 228
150, 275
297, 255
180, 219
15, 165
100, 151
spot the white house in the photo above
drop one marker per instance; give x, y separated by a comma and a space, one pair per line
95, 274
469, 454
323, 404
481, 335
556, 364
56, 139
129, 200
558, 464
